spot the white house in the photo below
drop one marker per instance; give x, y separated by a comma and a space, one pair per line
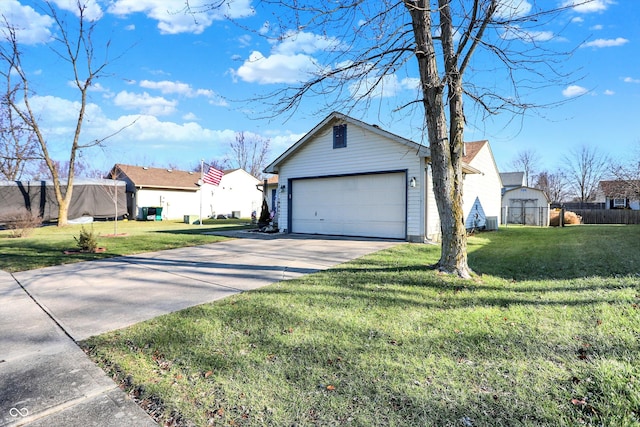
619, 194
525, 206
238, 195
346, 177
180, 193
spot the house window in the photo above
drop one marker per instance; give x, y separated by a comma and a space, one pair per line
619, 203
340, 136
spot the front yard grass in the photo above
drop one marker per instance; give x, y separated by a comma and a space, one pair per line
46, 245
547, 334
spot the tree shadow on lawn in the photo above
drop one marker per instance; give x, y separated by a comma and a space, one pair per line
290, 356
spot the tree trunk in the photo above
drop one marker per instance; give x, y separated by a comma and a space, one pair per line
445, 144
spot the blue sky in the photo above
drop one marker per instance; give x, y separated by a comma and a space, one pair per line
179, 78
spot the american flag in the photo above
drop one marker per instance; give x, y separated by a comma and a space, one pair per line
213, 176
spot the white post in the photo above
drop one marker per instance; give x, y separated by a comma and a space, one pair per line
201, 182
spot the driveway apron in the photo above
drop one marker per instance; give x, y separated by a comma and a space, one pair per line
44, 373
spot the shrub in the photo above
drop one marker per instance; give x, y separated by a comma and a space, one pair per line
22, 222
569, 218
88, 240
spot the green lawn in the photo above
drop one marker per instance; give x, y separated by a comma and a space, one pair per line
46, 246
547, 334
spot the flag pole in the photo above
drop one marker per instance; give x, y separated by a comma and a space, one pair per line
201, 189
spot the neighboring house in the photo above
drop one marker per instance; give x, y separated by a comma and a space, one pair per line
526, 206
178, 193
346, 177
238, 195
511, 180
620, 194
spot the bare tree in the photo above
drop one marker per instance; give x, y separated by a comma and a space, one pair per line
554, 185
370, 42
585, 168
75, 47
526, 161
628, 170
17, 144
250, 153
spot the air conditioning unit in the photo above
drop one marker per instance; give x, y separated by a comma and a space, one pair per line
492, 223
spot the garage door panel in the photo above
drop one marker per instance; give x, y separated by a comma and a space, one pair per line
362, 205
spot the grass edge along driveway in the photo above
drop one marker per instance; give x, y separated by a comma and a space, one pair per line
548, 334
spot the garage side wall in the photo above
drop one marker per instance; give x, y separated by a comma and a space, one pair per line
365, 152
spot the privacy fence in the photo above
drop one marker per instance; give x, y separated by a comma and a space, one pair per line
608, 216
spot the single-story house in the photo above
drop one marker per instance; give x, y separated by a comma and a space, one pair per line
238, 195
619, 194
526, 206
174, 194
347, 177
97, 198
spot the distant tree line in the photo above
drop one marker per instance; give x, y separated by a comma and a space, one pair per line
577, 177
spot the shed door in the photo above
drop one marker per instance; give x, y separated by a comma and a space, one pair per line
362, 205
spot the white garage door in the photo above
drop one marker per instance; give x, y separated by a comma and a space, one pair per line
363, 205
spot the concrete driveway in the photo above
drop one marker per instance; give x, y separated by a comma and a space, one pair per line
43, 311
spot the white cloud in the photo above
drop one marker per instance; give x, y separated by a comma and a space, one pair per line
528, 36
302, 42
581, 6
609, 92
606, 42
167, 87
32, 28
387, 87
276, 68
145, 103
597, 27
173, 18
577, 19
574, 90
290, 60
510, 9
630, 80
92, 10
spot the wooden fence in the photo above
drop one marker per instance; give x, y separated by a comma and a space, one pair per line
608, 216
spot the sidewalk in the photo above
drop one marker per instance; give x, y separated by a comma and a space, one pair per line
46, 379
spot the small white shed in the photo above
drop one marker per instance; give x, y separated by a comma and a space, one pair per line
525, 206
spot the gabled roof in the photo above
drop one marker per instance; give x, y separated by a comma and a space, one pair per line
619, 188
472, 147
142, 176
512, 179
341, 118
524, 187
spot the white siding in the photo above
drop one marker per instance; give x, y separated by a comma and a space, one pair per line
534, 202
175, 204
237, 192
485, 186
365, 152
